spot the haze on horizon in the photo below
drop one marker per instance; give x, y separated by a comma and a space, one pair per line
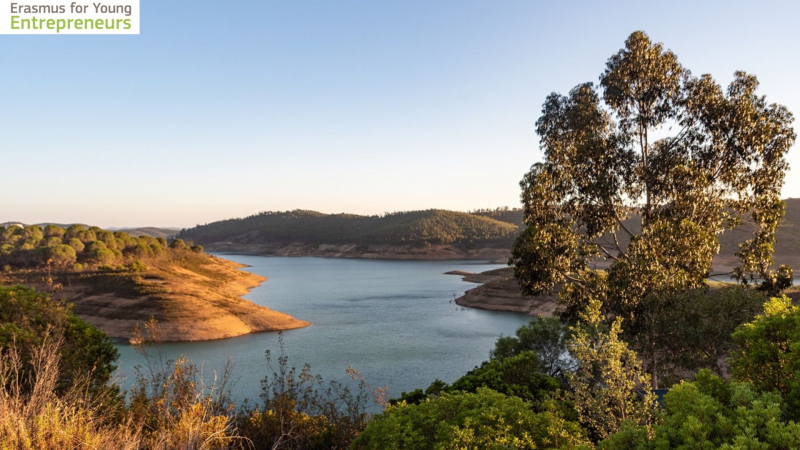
364, 107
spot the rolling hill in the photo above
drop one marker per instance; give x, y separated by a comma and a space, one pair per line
421, 234
155, 232
414, 234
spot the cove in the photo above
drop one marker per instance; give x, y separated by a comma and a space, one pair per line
393, 321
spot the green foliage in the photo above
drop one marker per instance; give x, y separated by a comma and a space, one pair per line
481, 420
777, 282
53, 231
518, 375
137, 266
28, 317
768, 352
33, 231
504, 214
725, 162
604, 388
432, 227
694, 328
545, 337
711, 413
61, 255
92, 248
178, 244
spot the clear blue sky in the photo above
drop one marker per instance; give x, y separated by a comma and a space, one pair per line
223, 109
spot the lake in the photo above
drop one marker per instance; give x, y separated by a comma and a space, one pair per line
393, 321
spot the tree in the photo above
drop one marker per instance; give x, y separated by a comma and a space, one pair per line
481, 420
607, 384
76, 244
74, 231
695, 330
711, 413
178, 244
607, 190
33, 231
28, 317
547, 338
61, 255
140, 250
53, 231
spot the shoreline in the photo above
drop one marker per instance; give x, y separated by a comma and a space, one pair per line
190, 302
498, 290
370, 252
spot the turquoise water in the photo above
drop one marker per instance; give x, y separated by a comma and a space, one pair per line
393, 321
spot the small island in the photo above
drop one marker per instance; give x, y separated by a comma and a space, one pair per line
118, 282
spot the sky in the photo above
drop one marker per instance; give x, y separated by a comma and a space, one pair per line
225, 109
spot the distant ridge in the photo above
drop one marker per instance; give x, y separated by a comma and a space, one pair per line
155, 232
351, 234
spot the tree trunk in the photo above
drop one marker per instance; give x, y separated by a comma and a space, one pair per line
653, 371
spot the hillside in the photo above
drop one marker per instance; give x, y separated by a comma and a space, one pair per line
155, 232
117, 281
413, 234
431, 234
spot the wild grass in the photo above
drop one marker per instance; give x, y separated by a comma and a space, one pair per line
174, 412
33, 416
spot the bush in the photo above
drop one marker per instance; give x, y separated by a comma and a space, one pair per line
518, 376
712, 413
481, 420
547, 338
768, 352
137, 266
302, 412
28, 317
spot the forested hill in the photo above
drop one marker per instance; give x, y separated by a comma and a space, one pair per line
416, 228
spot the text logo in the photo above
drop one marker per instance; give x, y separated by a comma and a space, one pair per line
69, 17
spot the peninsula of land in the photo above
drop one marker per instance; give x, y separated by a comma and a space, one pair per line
118, 282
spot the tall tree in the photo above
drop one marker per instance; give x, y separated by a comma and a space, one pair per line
651, 144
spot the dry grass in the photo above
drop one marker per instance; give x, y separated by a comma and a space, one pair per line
32, 416
179, 413
194, 297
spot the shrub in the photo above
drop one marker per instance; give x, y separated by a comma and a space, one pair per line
520, 376
768, 352
547, 338
481, 420
137, 266
712, 413
302, 412
27, 317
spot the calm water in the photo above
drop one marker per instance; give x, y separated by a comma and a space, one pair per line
394, 321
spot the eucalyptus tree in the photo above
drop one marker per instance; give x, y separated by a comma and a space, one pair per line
645, 170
